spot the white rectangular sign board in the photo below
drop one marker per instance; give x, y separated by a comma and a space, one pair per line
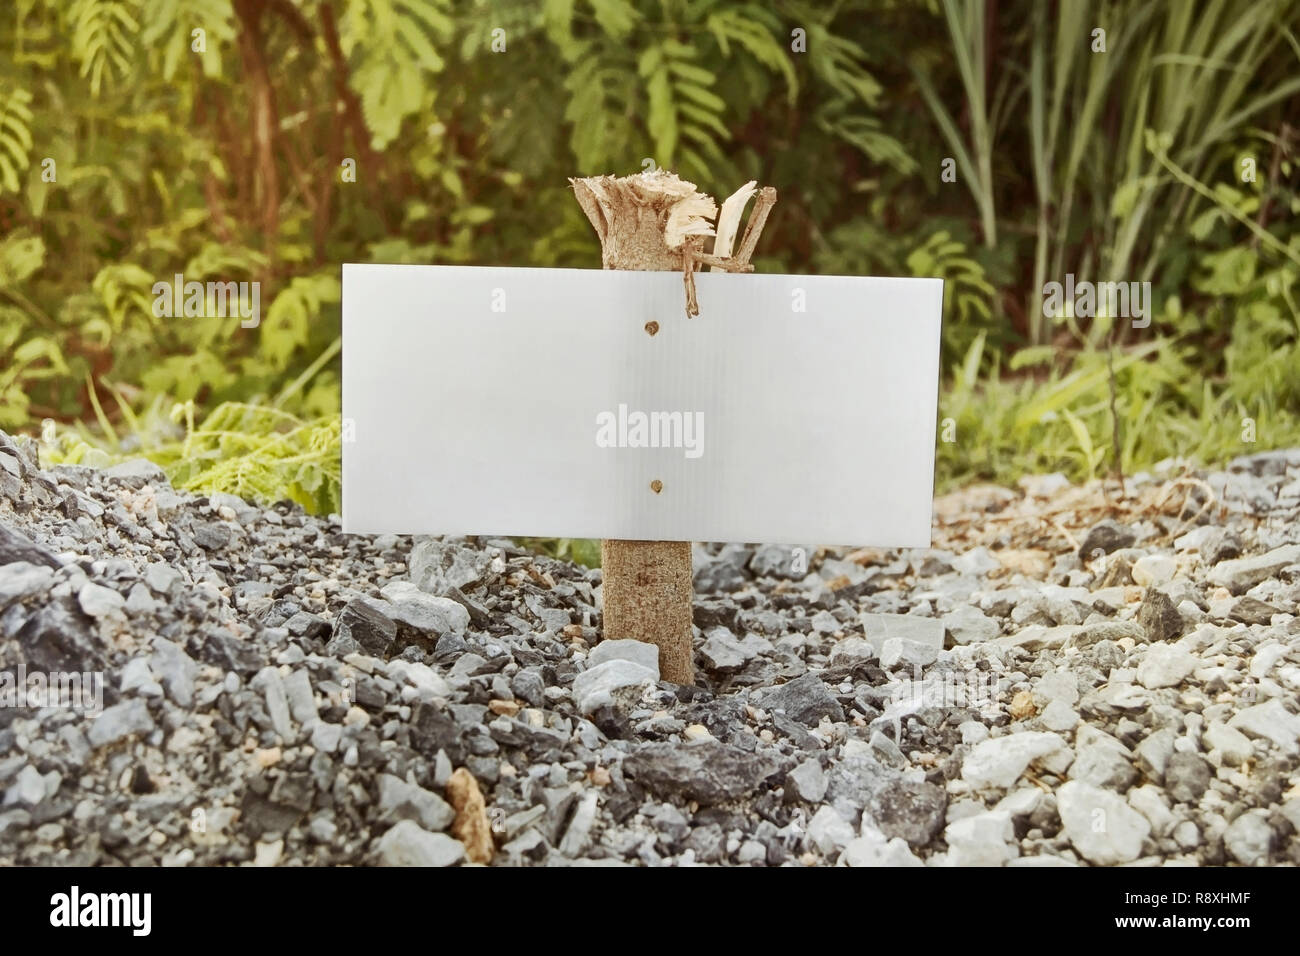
498, 401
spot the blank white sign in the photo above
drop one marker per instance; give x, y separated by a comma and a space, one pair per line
473, 400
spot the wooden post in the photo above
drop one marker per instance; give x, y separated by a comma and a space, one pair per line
655, 221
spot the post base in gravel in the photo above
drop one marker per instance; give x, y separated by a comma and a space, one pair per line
648, 597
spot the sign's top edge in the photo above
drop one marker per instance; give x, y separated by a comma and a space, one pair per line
708, 276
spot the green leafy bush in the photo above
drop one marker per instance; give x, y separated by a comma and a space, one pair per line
994, 145
255, 452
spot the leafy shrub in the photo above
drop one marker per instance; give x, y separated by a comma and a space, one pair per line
225, 140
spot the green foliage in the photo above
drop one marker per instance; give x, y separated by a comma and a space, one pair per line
287, 137
580, 550
1190, 77
103, 38
1177, 396
394, 45
289, 320
170, 25
20, 256
15, 136
682, 109
966, 290
255, 452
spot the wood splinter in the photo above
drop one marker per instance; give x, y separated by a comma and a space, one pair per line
721, 260
656, 221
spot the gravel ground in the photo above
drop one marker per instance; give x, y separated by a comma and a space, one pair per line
1052, 686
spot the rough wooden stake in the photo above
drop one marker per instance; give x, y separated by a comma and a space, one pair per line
655, 221
647, 584
648, 597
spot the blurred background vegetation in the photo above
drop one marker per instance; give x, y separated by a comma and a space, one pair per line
133, 148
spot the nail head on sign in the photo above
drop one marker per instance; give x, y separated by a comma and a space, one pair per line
652, 327
656, 486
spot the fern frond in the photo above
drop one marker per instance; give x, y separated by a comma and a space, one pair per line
601, 82
287, 324
224, 261
682, 109
20, 257
15, 137
756, 30
264, 455
171, 25
616, 17
124, 290
103, 38
395, 46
